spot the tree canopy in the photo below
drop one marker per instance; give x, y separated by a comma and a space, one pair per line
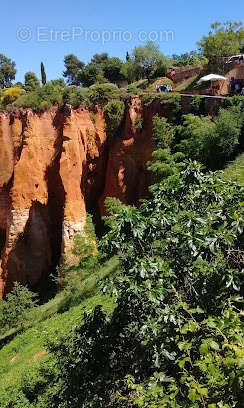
73, 68
7, 71
223, 40
148, 57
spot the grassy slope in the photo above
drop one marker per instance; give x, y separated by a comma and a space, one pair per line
186, 84
51, 321
235, 170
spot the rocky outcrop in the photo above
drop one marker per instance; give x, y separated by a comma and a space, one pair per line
50, 164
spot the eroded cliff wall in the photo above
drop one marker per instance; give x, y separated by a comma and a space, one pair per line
50, 164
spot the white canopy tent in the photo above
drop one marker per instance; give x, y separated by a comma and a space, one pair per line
212, 78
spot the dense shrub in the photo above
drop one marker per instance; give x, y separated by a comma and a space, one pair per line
101, 94
212, 142
75, 96
133, 90
114, 114
42, 98
13, 310
10, 95
197, 104
164, 163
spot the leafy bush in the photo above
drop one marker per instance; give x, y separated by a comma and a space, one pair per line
114, 114
42, 98
164, 163
132, 89
196, 136
197, 104
75, 96
13, 310
101, 94
10, 95
149, 98
211, 142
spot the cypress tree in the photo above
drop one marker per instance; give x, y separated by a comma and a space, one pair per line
43, 74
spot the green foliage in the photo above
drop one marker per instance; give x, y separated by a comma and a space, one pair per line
10, 95
75, 96
89, 75
114, 115
100, 59
149, 98
197, 104
196, 136
164, 163
236, 100
112, 69
14, 309
43, 74
163, 132
73, 68
32, 83
133, 90
7, 71
42, 98
85, 244
130, 71
189, 58
171, 98
150, 60
175, 336
101, 94
235, 170
223, 39
212, 142
174, 100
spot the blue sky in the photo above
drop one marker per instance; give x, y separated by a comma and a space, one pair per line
48, 30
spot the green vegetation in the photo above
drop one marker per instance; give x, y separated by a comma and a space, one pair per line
101, 94
174, 338
197, 104
164, 163
43, 74
32, 83
114, 115
223, 40
235, 170
212, 142
189, 59
185, 85
7, 71
14, 309
73, 68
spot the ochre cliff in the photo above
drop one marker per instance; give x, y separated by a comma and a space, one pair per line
50, 164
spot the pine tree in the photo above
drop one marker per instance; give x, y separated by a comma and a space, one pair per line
43, 74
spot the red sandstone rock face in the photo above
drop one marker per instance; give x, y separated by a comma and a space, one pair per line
126, 176
46, 161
